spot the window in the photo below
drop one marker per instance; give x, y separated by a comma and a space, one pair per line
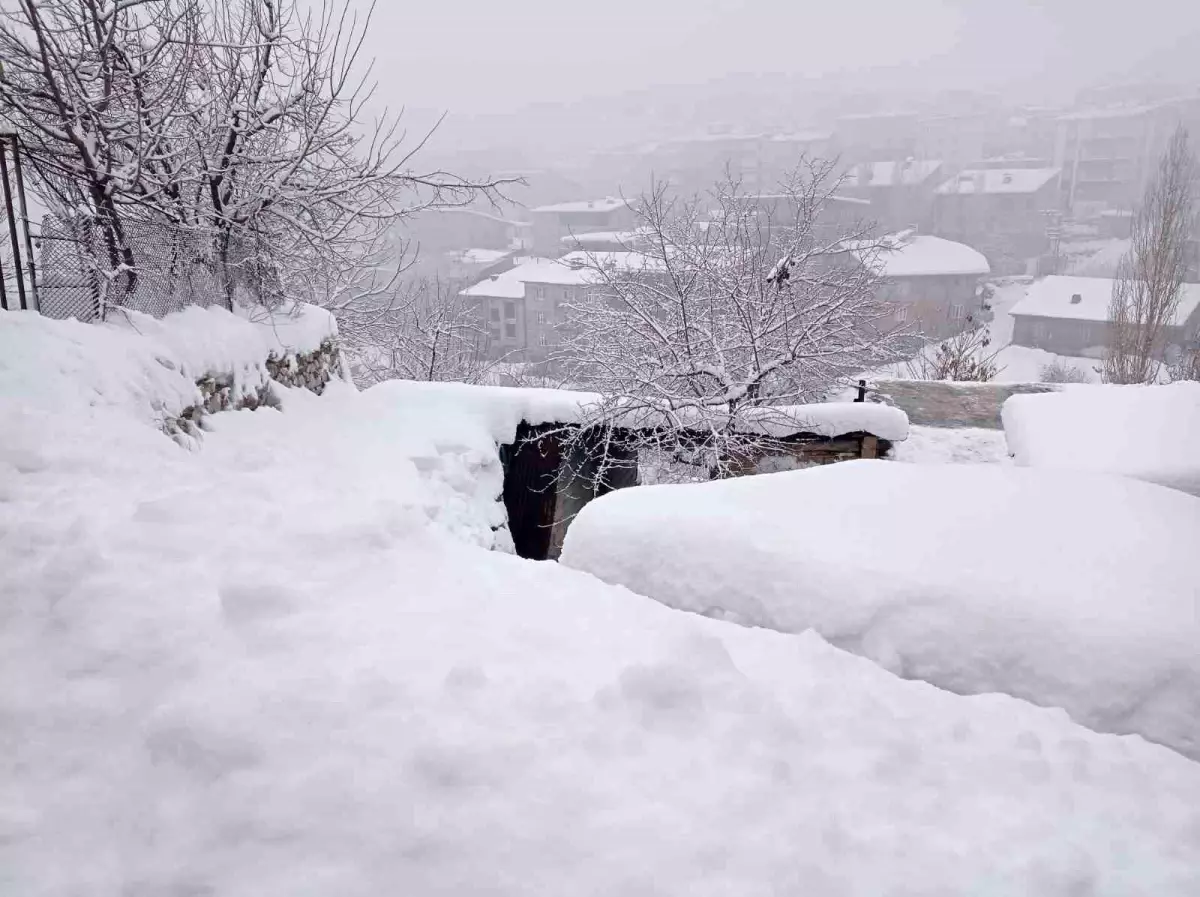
957, 312
542, 339
1040, 332
510, 311
510, 329
901, 314
540, 293
541, 318
495, 313
494, 334
568, 294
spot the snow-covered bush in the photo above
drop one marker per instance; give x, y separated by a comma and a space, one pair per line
1061, 371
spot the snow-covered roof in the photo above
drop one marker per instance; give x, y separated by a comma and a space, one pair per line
480, 256
898, 173
977, 578
923, 256
616, 237
998, 180
1116, 111
801, 137
1055, 297
569, 270
1147, 432
607, 204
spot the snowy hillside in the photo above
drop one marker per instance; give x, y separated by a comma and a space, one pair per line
284, 664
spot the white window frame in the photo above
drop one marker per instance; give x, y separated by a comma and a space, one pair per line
542, 340
541, 319
957, 311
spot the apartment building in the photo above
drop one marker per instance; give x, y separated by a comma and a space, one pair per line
1108, 154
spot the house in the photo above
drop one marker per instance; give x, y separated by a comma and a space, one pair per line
1006, 212
931, 283
1069, 316
900, 191
553, 222
521, 308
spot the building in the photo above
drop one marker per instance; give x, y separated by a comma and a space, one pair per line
521, 308
931, 283
1005, 212
1108, 154
552, 223
900, 191
1069, 316
758, 161
878, 136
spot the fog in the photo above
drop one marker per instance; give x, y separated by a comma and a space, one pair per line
540, 73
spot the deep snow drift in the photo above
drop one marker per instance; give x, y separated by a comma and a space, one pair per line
1148, 432
278, 666
1074, 591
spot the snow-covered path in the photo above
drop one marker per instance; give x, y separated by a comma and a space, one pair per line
283, 665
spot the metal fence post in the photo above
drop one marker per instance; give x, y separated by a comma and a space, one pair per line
23, 207
12, 225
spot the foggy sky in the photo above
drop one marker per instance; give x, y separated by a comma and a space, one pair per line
489, 56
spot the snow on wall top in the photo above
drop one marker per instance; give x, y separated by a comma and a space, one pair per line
144, 365
998, 180
1068, 590
1054, 297
1148, 432
504, 407
926, 256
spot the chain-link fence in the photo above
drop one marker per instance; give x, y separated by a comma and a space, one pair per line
173, 266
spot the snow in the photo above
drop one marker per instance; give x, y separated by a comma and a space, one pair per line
1052, 297
998, 180
907, 255
284, 664
145, 367
952, 445
1069, 590
1148, 432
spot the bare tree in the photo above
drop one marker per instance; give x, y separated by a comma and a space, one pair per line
737, 307
244, 121
1146, 289
438, 334
98, 90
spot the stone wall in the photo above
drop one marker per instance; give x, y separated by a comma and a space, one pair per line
233, 391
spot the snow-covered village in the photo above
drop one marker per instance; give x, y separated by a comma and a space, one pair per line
600, 452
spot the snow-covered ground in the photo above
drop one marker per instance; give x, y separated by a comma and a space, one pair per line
284, 664
1070, 590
